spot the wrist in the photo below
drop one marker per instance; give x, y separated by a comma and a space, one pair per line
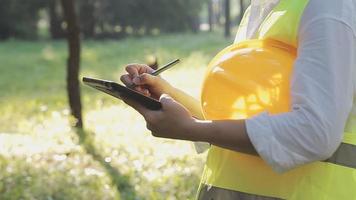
198, 130
164, 86
169, 89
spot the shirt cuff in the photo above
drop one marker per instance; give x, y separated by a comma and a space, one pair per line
275, 154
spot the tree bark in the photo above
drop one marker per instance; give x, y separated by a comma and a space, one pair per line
242, 10
210, 15
87, 18
73, 62
55, 20
227, 19
219, 7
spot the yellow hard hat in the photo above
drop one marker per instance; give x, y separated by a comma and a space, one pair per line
248, 78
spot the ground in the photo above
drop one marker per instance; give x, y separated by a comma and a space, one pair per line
42, 157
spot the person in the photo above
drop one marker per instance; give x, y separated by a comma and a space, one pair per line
306, 153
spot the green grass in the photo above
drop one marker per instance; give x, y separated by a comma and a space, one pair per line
40, 155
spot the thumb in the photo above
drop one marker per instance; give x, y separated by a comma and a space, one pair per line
145, 79
166, 101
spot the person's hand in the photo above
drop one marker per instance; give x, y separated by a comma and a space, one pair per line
138, 77
172, 121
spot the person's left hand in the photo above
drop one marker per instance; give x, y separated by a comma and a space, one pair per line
172, 121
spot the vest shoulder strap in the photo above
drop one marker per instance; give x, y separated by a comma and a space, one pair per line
283, 22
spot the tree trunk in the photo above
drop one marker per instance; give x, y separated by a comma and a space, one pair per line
73, 61
87, 18
219, 7
210, 15
242, 10
227, 19
55, 20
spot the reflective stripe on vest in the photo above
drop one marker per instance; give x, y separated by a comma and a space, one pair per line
345, 155
343, 160
215, 193
234, 174
283, 22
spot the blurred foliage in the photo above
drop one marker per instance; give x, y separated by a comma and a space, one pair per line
57, 176
143, 16
100, 18
19, 18
41, 156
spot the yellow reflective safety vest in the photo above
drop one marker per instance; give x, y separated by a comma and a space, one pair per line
232, 175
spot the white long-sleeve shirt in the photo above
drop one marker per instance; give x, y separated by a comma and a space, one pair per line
323, 86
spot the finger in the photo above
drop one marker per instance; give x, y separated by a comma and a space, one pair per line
136, 69
143, 91
126, 80
145, 69
146, 79
140, 89
146, 92
136, 80
166, 101
165, 98
133, 70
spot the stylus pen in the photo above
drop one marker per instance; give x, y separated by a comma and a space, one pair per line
165, 67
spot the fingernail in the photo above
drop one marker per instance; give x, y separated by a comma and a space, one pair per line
165, 96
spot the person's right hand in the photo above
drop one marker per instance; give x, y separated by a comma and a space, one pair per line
138, 77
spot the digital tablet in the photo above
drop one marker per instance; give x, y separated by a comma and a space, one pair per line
118, 91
